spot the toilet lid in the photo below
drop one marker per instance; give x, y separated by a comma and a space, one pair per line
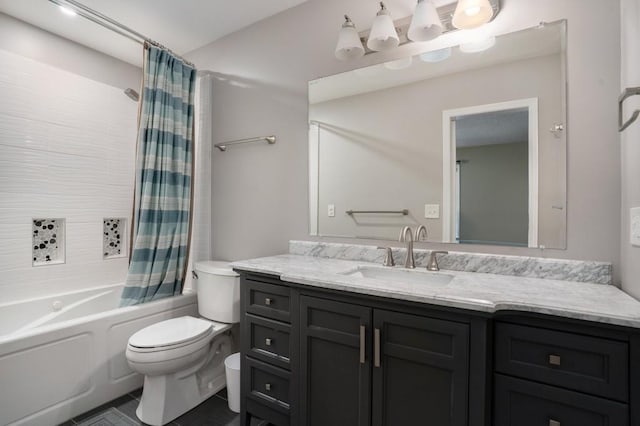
216, 267
175, 331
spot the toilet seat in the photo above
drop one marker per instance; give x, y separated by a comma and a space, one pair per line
172, 333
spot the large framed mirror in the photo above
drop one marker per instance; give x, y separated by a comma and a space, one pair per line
470, 144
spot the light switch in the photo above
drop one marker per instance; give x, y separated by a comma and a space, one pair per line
331, 210
635, 226
432, 211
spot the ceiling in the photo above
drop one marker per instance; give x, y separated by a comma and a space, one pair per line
182, 26
493, 128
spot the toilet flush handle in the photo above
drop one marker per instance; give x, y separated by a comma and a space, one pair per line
194, 275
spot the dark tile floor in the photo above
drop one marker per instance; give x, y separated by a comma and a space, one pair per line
213, 412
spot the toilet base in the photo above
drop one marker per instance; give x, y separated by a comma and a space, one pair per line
165, 398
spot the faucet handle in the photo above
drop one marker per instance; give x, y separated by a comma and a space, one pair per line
432, 265
388, 257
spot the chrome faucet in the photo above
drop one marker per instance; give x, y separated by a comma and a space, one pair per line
419, 231
405, 236
388, 256
433, 261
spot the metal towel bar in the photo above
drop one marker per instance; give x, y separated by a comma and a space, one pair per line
402, 212
222, 146
628, 92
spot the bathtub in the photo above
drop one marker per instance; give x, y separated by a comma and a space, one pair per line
63, 355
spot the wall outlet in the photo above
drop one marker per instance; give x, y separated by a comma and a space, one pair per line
635, 226
331, 210
432, 211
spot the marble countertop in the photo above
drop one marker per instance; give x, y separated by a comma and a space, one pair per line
467, 290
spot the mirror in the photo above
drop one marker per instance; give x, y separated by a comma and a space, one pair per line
470, 144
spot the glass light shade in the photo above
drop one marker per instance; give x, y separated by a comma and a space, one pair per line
349, 44
436, 55
383, 35
478, 45
472, 13
425, 24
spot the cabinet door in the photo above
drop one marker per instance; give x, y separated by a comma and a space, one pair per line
335, 363
524, 403
423, 371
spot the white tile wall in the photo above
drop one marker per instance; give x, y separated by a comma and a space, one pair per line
67, 146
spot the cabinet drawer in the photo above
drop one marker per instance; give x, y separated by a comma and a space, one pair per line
522, 403
267, 300
267, 340
268, 384
587, 364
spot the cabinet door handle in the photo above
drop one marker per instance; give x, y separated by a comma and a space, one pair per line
267, 386
268, 341
554, 422
555, 360
268, 301
376, 347
363, 331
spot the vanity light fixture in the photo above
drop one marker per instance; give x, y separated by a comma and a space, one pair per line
471, 14
436, 55
383, 34
427, 23
349, 43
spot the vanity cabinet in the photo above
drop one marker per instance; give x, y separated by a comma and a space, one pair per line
342, 359
550, 376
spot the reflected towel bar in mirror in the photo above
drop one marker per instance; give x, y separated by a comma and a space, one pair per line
222, 146
402, 212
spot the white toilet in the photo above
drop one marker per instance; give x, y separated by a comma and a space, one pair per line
182, 359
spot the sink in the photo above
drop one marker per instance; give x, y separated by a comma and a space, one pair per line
401, 275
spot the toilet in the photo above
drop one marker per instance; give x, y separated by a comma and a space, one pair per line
182, 359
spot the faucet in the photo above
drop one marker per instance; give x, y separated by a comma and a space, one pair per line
433, 261
419, 231
405, 236
388, 256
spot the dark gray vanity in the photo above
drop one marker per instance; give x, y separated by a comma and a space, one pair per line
313, 355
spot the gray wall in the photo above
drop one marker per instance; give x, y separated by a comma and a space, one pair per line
630, 144
494, 183
260, 192
32, 42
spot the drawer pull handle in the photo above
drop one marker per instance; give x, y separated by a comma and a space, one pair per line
554, 422
363, 331
267, 386
268, 341
376, 347
555, 360
268, 301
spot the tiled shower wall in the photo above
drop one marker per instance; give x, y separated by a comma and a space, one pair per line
67, 146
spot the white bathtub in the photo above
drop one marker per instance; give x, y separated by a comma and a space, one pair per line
63, 355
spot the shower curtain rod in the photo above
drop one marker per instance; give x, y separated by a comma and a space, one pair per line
112, 25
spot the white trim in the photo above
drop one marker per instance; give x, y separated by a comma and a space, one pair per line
449, 161
314, 166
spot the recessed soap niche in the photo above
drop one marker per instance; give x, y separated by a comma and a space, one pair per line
113, 241
48, 241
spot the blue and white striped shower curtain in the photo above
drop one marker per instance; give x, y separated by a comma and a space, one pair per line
164, 166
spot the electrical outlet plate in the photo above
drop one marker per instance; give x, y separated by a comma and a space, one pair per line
432, 211
331, 210
634, 214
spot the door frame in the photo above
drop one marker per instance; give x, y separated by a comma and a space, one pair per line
449, 162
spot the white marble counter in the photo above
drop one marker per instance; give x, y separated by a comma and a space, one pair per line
467, 290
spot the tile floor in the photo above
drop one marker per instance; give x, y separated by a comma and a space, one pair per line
212, 412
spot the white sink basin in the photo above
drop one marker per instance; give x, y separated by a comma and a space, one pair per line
409, 276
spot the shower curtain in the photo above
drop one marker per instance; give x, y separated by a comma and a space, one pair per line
164, 168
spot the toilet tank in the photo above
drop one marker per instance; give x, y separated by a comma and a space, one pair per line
218, 290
